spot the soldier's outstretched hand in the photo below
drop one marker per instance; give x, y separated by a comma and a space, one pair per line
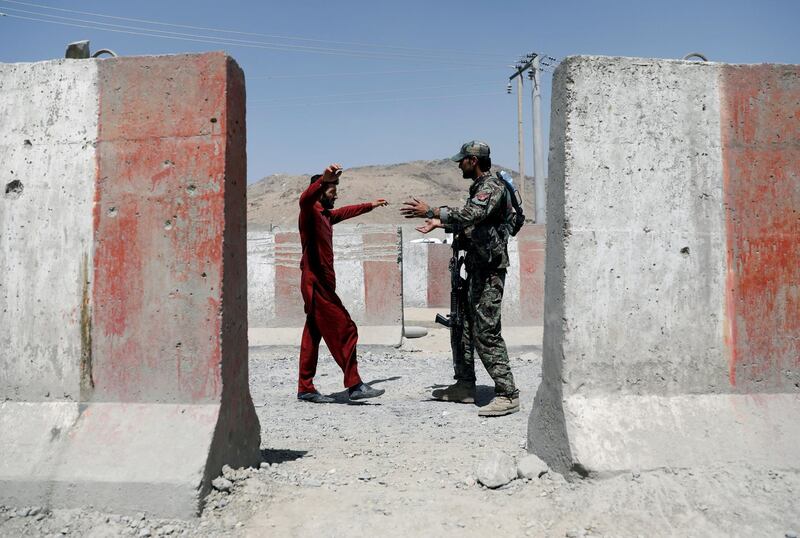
414, 208
379, 203
429, 226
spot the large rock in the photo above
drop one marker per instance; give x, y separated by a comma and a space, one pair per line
531, 466
496, 470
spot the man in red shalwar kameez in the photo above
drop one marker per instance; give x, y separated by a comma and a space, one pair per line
326, 317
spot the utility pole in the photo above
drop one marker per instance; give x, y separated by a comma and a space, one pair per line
540, 215
520, 142
523, 65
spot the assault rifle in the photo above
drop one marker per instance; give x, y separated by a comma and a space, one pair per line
455, 319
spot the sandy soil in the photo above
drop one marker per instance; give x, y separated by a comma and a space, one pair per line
403, 465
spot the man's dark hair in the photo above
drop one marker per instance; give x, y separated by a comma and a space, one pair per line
315, 177
485, 163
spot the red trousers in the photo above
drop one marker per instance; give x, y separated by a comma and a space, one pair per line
327, 318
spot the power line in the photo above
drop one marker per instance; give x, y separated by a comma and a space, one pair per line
208, 29
361, 73
236, 43
218, 40
401, 99
371, 92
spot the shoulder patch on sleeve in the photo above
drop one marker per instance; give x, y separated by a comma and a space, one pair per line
480, 198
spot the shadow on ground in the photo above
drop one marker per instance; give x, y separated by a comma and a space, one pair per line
483, 394
270, 456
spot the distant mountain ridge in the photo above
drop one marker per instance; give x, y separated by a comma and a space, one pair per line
273, 199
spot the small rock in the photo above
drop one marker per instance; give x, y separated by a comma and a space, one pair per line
791, 534
222, 484
574, 534
145, 533
496, 470
35, 511
531, 466
469, 481
167, 529
264, 465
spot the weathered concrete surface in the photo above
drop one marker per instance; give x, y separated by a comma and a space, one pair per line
48, 121
123, 264
426, 276
673, 246
368, 280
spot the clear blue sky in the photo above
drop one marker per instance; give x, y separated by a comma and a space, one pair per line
378, 82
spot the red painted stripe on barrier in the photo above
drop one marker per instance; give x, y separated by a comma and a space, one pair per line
439, 275
530, 245
760, 118
159, 224
383, 301
289, 309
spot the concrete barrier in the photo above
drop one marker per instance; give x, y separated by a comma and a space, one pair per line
123, 282
672, 300
368, 280
426, 276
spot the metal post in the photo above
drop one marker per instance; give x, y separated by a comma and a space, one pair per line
523, 65
521, 146
540, 214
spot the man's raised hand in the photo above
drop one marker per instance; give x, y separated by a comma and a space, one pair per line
331, 173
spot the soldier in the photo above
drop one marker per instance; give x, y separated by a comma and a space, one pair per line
482, 223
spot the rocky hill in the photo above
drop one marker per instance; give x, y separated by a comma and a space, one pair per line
273, 199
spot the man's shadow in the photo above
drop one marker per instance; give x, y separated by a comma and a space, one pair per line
343, 397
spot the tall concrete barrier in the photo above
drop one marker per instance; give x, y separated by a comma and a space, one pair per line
672, 295
426, 276
368, 280
123, 295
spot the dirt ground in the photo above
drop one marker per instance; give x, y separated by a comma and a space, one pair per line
403, 465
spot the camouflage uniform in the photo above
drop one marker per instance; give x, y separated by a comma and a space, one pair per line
481, 224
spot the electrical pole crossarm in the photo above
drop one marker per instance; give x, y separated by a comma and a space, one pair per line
522, 67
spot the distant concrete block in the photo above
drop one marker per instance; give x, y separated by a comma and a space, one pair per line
672, 298
368, 280
426, 276
123, 270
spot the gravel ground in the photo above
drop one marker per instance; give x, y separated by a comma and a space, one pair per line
403, 465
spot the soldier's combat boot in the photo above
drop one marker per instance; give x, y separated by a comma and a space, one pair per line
461, 392
499, 406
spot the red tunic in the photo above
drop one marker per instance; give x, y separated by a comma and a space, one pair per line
316, 235
326, 316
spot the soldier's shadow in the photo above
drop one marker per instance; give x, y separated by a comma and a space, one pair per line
483, 394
